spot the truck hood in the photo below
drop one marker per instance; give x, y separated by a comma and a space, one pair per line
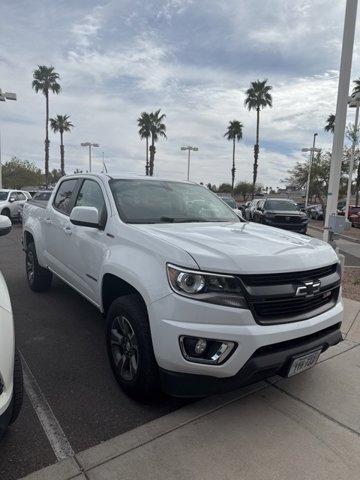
244, 247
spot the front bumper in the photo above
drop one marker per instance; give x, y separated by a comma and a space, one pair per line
173, 316
265, 362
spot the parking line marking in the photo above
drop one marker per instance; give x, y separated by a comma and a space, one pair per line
55, 434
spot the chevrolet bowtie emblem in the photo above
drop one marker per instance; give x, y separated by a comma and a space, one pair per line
308, 289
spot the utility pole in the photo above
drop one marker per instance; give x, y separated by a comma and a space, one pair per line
90, 145
354, 102
189, 149
340, 115
3, 97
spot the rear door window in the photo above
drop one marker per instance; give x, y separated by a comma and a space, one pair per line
63, 198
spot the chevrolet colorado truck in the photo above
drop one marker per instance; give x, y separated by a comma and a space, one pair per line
196, 299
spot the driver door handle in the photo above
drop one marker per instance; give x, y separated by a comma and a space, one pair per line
67, 230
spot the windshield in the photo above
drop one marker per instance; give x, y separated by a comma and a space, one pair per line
3, 196
281, 205
157, 201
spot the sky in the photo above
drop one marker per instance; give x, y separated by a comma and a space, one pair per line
193, 59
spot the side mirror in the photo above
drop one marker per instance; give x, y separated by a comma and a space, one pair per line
85, 217
5, 225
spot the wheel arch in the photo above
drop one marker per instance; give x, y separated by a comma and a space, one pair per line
113, 287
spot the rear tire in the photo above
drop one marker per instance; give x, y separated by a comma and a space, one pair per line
39, 278
130, 349
18, 391
6, 212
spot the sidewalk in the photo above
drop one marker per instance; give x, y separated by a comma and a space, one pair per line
306, 427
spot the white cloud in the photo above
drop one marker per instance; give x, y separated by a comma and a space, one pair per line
124, 57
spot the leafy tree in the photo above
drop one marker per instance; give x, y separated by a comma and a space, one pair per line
319, 180
234, 133
211, 187
78, 171
243, 188
258, 97
157, 129
225, 188
45, 79
61, 124
19, 173
54, 176
144, 124
330, 123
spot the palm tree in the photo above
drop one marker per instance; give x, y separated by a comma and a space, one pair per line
330, 123
157, 129
144, 124
258, 96
46, 80
61, 124
356, 88
234, 133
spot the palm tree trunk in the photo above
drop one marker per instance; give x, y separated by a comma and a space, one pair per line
233, 167
147, 157
47, 141
152, 156
62, 154
256, 152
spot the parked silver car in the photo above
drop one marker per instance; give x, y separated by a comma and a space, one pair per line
10, 201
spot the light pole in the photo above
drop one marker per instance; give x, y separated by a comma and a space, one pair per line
353, 102
3, 97
312, 150
340, 114
189, 148
89, 144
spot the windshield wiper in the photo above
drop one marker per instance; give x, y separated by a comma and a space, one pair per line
180, 220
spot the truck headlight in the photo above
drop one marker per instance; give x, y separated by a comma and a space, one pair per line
206, 287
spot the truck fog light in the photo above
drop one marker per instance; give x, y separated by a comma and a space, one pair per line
200, 346
206, 350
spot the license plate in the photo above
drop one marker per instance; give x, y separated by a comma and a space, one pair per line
300, 364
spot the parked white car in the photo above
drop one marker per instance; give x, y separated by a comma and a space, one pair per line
11, 201
196, 299
11, 384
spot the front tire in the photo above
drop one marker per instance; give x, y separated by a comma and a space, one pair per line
130, 348
6, 212
39, 278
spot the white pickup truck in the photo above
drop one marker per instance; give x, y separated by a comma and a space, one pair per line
196, 299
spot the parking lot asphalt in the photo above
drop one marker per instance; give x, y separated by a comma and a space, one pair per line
61, 337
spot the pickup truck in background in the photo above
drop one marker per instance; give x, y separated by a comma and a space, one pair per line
196, 299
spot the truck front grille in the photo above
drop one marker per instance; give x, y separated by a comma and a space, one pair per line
277, 298
288, 219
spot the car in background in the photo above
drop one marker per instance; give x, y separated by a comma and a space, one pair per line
355, 220
316, 212
232, 204
281, 213
352, 211
40, 198
250, 209
11, 380
10, 201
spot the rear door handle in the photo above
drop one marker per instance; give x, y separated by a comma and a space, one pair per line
48, 220
67, 230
